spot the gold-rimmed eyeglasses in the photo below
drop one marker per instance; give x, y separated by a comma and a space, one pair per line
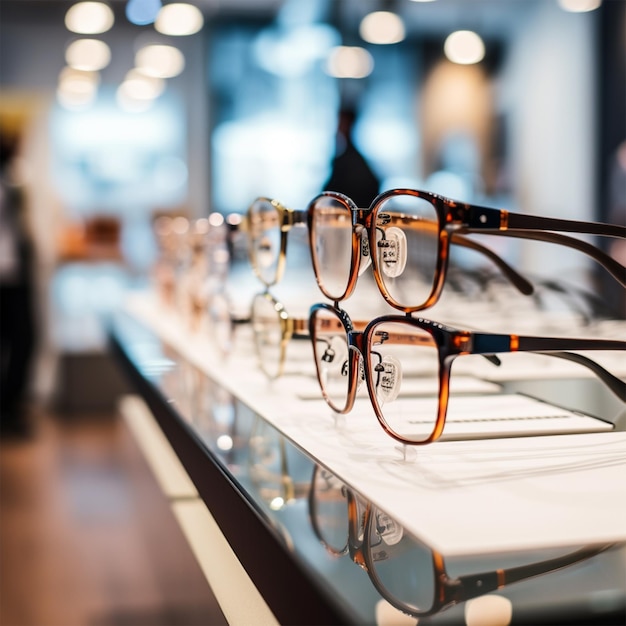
273, 329
268, 224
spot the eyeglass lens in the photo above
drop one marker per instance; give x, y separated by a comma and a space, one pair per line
331, 353
406, 247
404, 379
402, 566
268, 334
331, 245
330, 511
221, 327
265, 240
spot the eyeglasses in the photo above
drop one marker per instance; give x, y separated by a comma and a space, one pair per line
223, 321
268, 223
405, 571
406, 235
273, 330
411, 364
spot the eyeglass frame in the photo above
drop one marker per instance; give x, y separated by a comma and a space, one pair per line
448, 591
287, 219
450, 343
456, 219
290, 327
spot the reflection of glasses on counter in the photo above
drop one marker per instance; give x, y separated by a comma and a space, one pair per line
405, 571
410, 364
406, 235
279, 472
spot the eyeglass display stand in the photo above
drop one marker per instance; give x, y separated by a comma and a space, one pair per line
408, 454
255, 491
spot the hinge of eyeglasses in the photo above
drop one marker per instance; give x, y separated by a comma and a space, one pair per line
463, 343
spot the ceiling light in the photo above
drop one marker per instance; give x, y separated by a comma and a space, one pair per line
77, 88
88, 54
78, 79
349, 62
160, 61
126, 102
179, 19
142, 87
464, 47
73, 100
89, 18
382, 27
579, 6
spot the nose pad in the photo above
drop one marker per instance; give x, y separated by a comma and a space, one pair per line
389, 530
392, 252
366, 254
329, 355
389, 379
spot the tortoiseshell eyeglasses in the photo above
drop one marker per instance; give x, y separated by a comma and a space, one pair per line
406, 235
411, 364
269, 223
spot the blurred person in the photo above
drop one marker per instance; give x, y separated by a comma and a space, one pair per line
350, 172
17, 314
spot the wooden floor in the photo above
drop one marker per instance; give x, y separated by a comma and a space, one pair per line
86, 536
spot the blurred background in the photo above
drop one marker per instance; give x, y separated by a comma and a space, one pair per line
526, 113
519, 104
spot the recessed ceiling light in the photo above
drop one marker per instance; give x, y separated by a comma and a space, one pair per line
89, 18
382, 27
579, 6
142, 87
77, 88
88, 54
178, 19
160, 60
349, 62
464, 47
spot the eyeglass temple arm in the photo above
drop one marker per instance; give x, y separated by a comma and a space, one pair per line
483, 343
475, 585
522, 285
482, 219
617, 386
616, 269
486, 218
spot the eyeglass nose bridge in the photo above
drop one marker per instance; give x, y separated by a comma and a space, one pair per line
365, 252
355, 362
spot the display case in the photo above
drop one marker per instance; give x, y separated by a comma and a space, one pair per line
334, 524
